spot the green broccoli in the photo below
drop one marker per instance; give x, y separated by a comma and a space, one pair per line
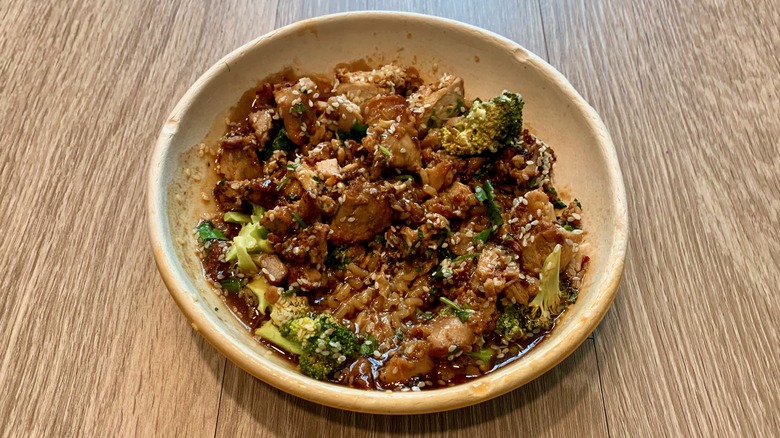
369, 345
549, 302
488, 126
258, 286
326, 346
271, 333
462, 312
300, 328
511, 324
289, 307
483, 357
251, 239
517, 322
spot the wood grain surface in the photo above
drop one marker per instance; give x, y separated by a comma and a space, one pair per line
91, 344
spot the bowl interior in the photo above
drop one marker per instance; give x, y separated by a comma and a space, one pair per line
587, 169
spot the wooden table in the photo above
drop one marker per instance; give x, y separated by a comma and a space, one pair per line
91, 344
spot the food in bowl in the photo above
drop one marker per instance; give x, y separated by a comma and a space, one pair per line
383, 233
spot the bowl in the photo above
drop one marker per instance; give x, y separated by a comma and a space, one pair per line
587, 164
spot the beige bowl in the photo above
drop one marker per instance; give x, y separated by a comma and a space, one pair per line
488, 63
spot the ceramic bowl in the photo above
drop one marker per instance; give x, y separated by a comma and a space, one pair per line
179, 180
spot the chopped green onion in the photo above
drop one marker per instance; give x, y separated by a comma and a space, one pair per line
232, 285
482, 236
462, 313
459, 259
298, 109
284, 181
298, 220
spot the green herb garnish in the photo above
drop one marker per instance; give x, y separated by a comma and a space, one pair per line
282, 183
463, 313
459, 259
298, 109
298, 220
485, 195
232, 285
206, 231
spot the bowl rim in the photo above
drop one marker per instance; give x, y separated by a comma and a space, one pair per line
380, 402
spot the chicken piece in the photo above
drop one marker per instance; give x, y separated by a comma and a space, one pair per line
214, 265
364, 212
538, 206
273, 268
485, 310
539, 242
454, 202
329, 168
577, 264
413, 362
298, 108
308, 245
407, 205
389, 108
495, 270
282, 220
572, 215
293, 189
523, 290
399, 149
307, 177
360, 86
391, 135
233, 195
440, 175
305, 277
238, 164
426, 236
341, 114
262, 123
449, 334
359, 374
435, 103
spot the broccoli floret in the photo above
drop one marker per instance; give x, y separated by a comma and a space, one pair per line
516, 322
315, 366
258, 286
549, 302
369, 345
300, 329
462, 312
511, 324
271, 333
483, 357
326, 345
288, 308
488, 126
251, 239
